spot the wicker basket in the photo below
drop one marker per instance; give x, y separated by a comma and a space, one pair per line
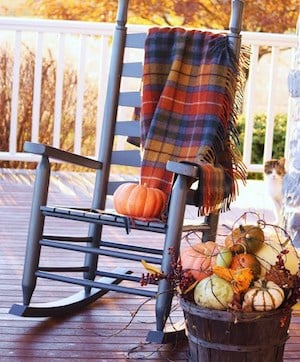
221, 336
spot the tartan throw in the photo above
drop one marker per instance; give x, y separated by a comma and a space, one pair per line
188, 113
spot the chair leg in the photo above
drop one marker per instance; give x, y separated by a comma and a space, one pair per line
212, 220
171, 250
91, 260
95, 230
35, 232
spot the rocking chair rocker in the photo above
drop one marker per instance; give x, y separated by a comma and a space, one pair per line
96, 282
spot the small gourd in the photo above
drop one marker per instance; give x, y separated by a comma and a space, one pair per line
246, 260
240, 279
245, 238
139, 201
263, 296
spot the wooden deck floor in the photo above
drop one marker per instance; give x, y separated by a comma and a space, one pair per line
106, 330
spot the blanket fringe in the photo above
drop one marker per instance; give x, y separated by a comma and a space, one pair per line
239, 169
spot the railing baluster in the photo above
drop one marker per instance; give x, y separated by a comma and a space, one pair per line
15, 93
80, 94
271, 105
37, 87
59, 89
250, 105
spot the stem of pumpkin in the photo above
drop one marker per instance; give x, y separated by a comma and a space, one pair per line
242, 229
264, 283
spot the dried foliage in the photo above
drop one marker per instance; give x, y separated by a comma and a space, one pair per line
283, 277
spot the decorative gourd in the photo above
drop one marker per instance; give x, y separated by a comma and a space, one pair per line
239, 279
213, 292
224, 258
263, 296
246, 260
139, 201
267, 256
245, 238
199, 259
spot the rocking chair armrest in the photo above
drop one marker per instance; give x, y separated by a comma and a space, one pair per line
182, 168
65, 156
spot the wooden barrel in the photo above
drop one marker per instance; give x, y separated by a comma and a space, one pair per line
221, 336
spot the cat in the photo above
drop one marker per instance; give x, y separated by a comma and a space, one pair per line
274, 171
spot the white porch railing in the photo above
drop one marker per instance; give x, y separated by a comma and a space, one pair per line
87, 46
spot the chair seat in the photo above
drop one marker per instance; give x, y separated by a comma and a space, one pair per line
114, 219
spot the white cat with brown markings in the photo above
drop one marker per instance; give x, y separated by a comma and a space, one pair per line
274, 172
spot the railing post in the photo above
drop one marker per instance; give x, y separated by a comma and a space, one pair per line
291, 184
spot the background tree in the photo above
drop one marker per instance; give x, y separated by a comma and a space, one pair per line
274, 16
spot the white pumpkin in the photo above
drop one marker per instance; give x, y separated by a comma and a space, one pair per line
263, 296
267, 256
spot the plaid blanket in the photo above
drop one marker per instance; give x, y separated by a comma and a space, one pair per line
188, 112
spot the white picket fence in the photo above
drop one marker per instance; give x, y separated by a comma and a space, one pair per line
87, 46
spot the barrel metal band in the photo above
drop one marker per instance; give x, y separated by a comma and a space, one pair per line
230, 347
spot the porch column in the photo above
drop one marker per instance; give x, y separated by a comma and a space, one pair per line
291, 182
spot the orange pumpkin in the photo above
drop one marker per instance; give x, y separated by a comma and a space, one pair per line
246, 260
139, 201
199, 259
